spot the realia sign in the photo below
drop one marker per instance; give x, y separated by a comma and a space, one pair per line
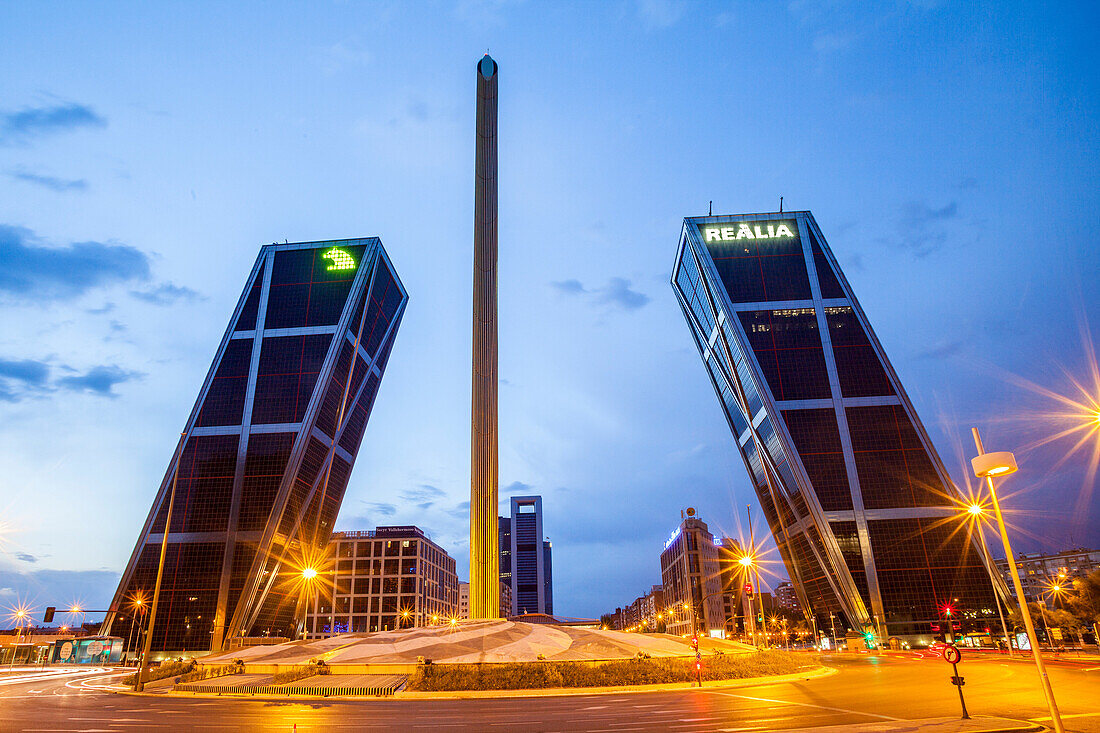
748, 230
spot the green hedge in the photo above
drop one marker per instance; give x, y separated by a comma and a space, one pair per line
538, 675
164, 670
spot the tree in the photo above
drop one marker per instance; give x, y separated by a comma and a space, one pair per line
1084, 600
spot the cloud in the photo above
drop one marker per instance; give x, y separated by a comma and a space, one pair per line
569, 287
105, 308
942, 350
31, 271
518, 487
32, 122
165, 294
42, 587
657, 14
19, 379
98, 380
922, 229
423, 492
386, 510
830, 42
617, 292
61, 185
26, 557
461, 511
25, 370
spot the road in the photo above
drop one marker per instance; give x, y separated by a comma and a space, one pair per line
866, 689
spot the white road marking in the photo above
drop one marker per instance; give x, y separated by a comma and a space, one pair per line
808, 705
1071, 715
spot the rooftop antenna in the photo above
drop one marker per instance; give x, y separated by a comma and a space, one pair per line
780, 204
710, 209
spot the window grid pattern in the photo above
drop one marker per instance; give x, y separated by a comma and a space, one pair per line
894, 469
378, 577
303, 293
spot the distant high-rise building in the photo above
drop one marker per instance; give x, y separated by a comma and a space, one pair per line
383, 579
861, 507
268, 449
785, 596
505, 525
530, 558
690, 577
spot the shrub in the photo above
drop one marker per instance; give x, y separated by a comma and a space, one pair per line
637, 671
295, 674
210, 672
163, 671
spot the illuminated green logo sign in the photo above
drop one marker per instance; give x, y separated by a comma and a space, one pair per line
341, 260
747, 230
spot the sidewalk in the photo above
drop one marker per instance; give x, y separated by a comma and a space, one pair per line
979, 724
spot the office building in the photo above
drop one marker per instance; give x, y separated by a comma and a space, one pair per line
691, 579
383, 579
269, 447
527, 553
863, 512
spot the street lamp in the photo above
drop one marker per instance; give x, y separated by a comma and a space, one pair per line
987, 466
975, 510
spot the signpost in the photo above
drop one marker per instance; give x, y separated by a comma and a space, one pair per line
952, 655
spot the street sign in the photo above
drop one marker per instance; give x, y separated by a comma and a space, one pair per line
952, 655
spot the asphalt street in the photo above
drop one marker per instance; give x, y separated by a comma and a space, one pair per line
866, 689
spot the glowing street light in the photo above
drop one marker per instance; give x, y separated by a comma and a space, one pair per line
976, 511
309, 573
987, 466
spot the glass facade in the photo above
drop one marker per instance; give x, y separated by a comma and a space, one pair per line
863, 512
269, 447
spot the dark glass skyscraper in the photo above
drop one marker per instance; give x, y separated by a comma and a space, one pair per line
269, 446
865, 515
529, 555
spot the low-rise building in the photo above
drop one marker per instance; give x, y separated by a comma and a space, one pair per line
383, 579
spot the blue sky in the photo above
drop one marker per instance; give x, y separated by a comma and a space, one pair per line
948, 151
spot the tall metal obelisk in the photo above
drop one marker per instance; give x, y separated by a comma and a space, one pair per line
484, 557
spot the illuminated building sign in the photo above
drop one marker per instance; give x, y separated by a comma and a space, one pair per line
748, 230
341, 260
672, 537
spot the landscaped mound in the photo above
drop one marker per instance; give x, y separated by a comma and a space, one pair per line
540, 675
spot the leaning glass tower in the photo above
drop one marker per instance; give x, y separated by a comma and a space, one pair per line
865, 516
269, 447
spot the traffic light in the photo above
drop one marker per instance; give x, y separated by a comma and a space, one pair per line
50, 610
694, 642
759, 618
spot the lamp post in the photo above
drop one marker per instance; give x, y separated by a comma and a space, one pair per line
756, 565
139, 684
975, 510
1002, 463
